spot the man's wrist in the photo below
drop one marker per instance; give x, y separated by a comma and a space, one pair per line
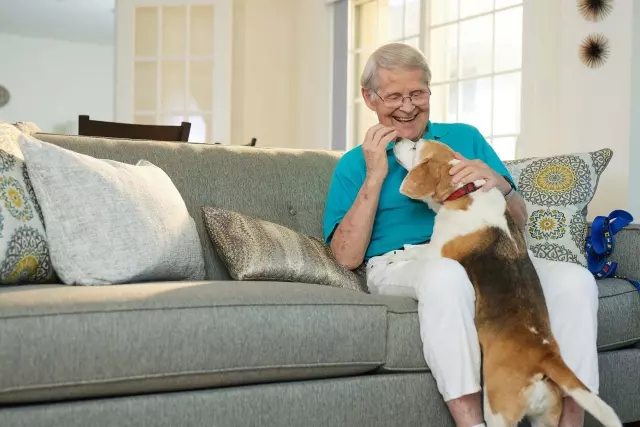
503, 185
374, 180
507, 188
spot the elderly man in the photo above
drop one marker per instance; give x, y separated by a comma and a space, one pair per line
366, 217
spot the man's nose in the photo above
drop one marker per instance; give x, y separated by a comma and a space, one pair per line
407, 106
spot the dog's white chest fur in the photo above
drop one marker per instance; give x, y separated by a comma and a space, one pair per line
539, 397
486, 210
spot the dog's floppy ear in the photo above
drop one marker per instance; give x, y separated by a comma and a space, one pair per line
444, 186
419, 182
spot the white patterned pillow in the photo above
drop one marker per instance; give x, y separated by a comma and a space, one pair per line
24, 251
557, 191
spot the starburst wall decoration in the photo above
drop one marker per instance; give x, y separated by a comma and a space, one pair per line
5, 96
595, 10
594, 50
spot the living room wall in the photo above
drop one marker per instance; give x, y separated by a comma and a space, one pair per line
567, 107
53, 81
282, 73
281, 76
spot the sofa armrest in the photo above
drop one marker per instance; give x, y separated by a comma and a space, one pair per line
627, 251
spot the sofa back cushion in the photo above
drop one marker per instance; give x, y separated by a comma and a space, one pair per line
284, 186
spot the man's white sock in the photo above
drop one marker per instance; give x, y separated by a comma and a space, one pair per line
480, 425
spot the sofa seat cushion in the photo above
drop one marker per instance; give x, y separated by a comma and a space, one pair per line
404, 344
618, 325
63, 342
618, 314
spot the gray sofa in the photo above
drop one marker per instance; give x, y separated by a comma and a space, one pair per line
228, 354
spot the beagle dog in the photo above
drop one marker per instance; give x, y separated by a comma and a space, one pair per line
523, 371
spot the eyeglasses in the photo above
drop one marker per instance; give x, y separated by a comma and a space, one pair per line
395, 100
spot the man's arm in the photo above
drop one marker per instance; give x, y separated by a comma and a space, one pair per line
353, 209
515, 205
518, 211
351, 238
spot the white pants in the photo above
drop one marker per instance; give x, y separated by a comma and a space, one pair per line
446, 309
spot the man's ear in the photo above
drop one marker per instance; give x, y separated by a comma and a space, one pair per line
368, 96
419, 182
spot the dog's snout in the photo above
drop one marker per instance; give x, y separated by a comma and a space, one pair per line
405, 153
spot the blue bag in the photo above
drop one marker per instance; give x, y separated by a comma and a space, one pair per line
599, 245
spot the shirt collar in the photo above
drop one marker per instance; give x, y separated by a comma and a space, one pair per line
434, 131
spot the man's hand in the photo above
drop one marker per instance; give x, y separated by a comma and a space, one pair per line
471, 170
375, 150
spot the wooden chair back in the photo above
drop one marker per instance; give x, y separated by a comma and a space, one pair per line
88, 127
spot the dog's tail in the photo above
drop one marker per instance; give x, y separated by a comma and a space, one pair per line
555, 368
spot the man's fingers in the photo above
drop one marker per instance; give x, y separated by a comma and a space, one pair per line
466, 175
381, 132
384, 135
383, 142
389, 137
458, 167
369, 136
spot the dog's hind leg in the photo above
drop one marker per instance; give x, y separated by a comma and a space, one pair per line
505, 402
492, 419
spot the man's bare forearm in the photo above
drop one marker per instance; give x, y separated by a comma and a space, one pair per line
518, 210
351, 238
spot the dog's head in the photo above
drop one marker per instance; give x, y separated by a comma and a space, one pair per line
428, 163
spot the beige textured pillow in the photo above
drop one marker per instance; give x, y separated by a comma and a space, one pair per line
254, 249
110, 222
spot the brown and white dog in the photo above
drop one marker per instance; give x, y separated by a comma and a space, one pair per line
523, 371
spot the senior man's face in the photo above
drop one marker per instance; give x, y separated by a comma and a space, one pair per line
408, 119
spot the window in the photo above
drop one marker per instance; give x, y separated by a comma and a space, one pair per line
372, 23
474, 49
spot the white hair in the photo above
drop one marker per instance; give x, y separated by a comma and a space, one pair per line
393, 56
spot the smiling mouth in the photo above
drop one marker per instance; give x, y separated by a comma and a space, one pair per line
405, 119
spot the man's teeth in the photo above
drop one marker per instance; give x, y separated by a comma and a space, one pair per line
405, 119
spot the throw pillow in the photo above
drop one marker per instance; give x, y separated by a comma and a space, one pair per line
110, 222
24, 252
254, 249
557, 191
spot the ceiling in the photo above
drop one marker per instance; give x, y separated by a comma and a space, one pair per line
87, 21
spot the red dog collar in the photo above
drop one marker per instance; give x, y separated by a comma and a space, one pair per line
469, 188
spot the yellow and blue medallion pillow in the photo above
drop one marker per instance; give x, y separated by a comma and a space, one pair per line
557, 191
24, 252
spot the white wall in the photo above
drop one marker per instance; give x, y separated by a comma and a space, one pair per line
281, 90
314, 38
282, 73
52, 81
568, 108
634, 143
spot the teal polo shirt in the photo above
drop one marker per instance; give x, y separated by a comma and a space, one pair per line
399, 220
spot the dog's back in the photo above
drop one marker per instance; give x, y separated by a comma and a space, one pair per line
523, 371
